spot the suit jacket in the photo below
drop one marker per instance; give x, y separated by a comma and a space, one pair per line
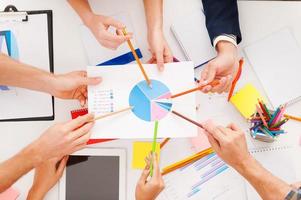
222, 18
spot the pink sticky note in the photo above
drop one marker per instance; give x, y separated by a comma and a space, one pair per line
200, 142
9, 194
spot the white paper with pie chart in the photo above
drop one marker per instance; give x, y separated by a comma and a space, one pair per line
123, 86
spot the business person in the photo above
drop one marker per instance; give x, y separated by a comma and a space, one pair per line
47, 175
223, 27
230, 145
99, 25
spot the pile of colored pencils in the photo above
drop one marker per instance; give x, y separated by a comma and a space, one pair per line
266, 124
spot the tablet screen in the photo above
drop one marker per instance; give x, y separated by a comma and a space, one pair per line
92, 177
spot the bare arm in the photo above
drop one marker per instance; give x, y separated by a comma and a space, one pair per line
160, 50
230, 144
14, 168
266, 184
83, 9
14, 73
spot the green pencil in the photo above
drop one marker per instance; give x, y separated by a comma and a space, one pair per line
154, 146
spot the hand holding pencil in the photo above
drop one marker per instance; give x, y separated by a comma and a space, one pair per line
149, 189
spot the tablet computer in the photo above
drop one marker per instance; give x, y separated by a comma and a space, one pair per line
94, 173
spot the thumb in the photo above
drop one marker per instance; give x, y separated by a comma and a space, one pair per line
90, 80
62, 166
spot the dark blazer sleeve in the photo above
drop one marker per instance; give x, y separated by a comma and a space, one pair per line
222, 18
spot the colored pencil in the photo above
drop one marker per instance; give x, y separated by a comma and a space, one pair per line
236, 78
164, 142
292, 117
113, 113
186, 161
261, 116
186, 118
154, 146
274, 116
279, 123
137, 59
213, 83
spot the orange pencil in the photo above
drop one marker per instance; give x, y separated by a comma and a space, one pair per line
261, 115
164, 142
213, 83
235, 80
137, 59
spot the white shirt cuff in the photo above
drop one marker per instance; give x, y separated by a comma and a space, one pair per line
225, 37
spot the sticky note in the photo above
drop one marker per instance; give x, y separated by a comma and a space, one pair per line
140, 152
245, 100
9, 194
200, 142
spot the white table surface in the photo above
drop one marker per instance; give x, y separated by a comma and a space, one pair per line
257, 19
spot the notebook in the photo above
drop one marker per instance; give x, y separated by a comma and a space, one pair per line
84, 111
277, 161
99, 55
276, 60
192, 35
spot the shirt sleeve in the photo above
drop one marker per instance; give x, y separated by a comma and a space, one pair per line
225, 37
294, 195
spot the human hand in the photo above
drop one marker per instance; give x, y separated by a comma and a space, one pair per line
228, 142
46, 176
63, 138
223, 67
159, 49
99, 26
72, 85
150, 189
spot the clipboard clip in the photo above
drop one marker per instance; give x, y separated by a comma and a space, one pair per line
11, 13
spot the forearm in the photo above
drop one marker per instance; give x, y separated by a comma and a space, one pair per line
154, 14
266, 184
14, 168
83, 9
35, 194
14, 73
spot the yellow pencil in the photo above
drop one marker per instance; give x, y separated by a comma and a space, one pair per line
186, 161
137, 59
292, 117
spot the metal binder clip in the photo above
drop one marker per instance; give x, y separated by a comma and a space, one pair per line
11, 13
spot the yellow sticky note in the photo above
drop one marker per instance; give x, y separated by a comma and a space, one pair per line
141, 151
245, 100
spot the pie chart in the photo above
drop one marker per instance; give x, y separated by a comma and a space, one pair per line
150, 104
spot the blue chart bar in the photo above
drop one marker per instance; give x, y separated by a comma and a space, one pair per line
206, 162
209, 176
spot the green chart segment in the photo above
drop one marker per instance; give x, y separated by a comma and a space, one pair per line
150, 104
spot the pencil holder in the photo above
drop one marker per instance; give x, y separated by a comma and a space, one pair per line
266, 124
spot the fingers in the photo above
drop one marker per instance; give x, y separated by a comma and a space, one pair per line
156, 169
214, 143
82, 130
214, 131
144, 175
62, 166
160, 60
83, 139
234, 127
89, 80
79, 121
112, 22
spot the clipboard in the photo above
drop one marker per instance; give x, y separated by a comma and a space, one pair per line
42, 58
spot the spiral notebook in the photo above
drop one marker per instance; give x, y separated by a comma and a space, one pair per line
277, 161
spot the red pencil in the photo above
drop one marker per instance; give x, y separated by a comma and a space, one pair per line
235, 80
